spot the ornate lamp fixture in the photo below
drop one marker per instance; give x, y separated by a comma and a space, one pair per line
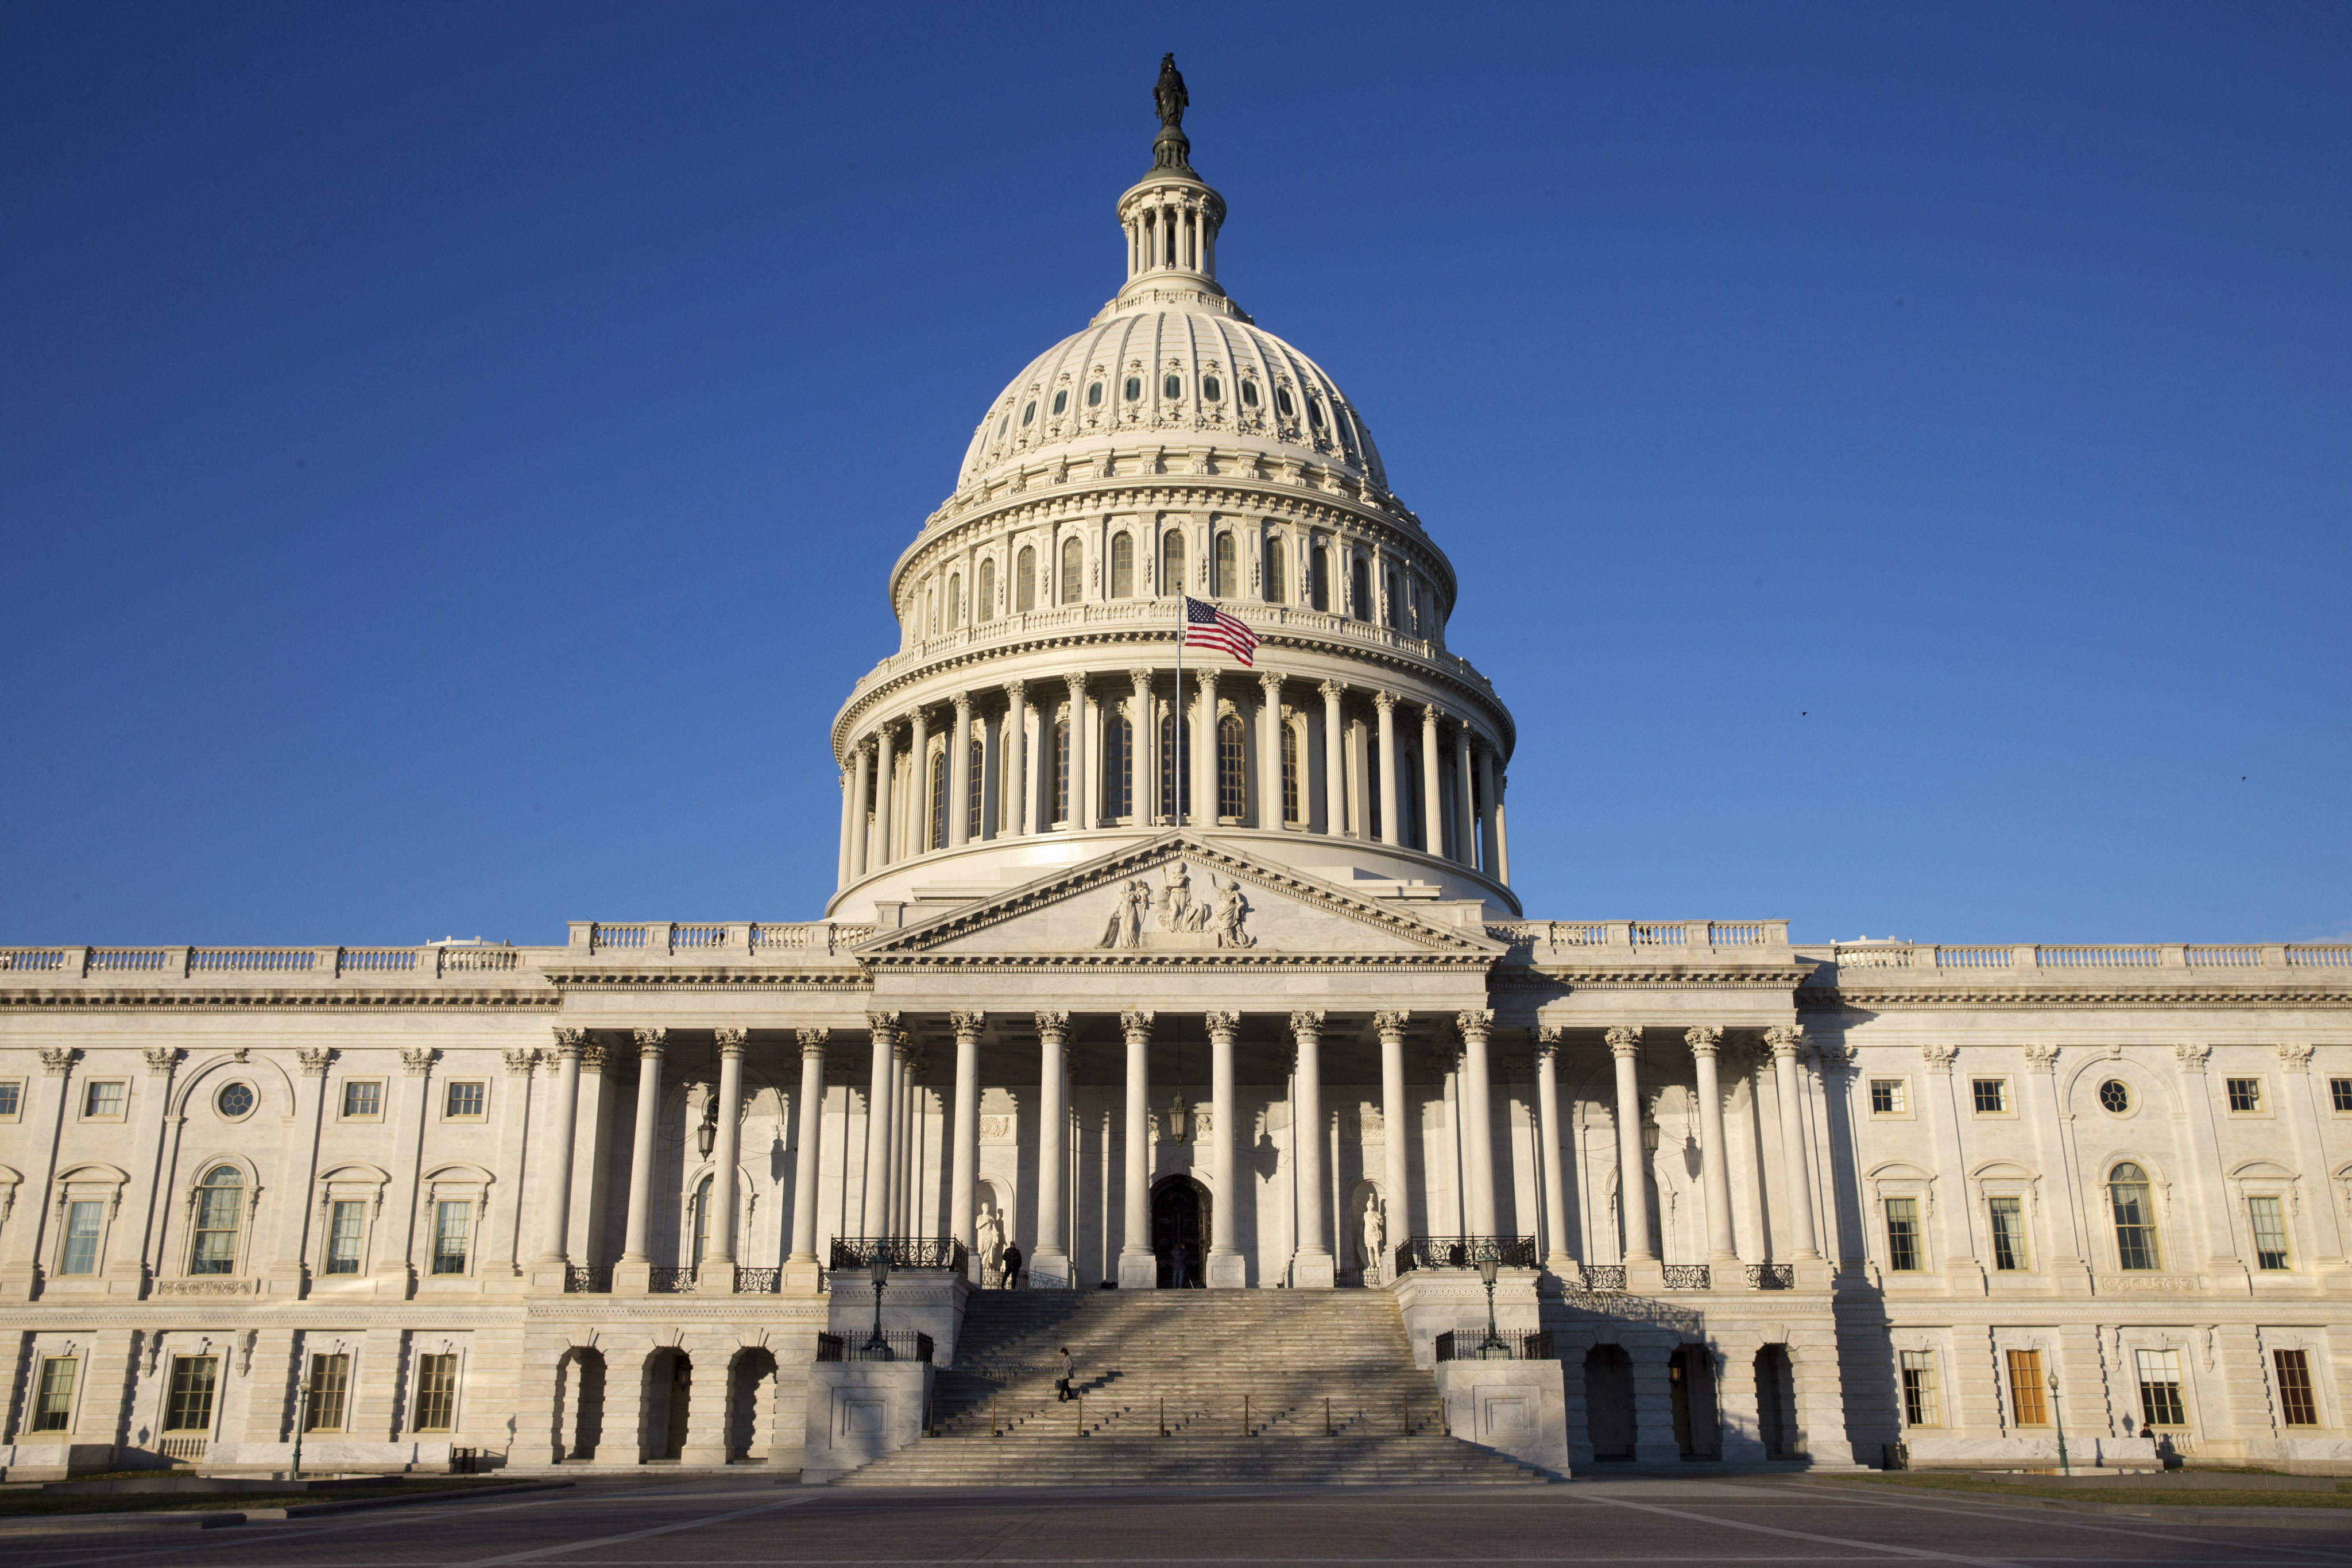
877, 1348
706, 1134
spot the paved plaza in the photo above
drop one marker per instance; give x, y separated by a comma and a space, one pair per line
1634, 1521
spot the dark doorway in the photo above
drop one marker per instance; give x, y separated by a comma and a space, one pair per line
1180, 1216
1776, 1402
1609, 1402
580, 1414
1690, 1379
670, 1382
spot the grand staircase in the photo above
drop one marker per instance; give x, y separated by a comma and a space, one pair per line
1247, 1387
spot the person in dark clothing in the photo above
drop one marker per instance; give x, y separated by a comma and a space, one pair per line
1011, 1267
1061, 1383
1176, 1266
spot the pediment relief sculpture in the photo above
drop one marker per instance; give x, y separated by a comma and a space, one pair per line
1184, 921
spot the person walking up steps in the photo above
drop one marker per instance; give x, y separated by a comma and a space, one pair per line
1062, 1383
1011, 1267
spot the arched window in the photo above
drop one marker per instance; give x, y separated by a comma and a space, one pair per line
220, 1208
1122, 566
1359, 590
1073, 565
1291, 811
1175, 736
1395, 603
1119, 782
938, 822
955, 602
1228, 584
986, 609
1061, 770
1274, 571
2136, 1245
1318, 578
974, 780
1172, 562
1025, 582
1232, 795
700, 1208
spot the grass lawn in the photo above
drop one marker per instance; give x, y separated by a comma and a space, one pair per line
2178, 1490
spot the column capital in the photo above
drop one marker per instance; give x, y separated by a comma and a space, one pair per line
651, 1042
1624, 1039
1704, 1040
2041, 1058
812, 1041
1053, 1027
731, 1042
1785, 1040
313, 1062
2192, 1058
1390, 1025
1271, 681
592, 1059
417, 1063
1142, 679
1332, 690
967, 1025
1307, 1021
864, 746
1475, 1024
2294, 1058
519, 1063
1548, 1039
1017, 691
962, 701
1833, 1056
570, 1041
884, 1026
1136, 1023
1938, 1058
1222, 1024
1078, 683
1384, 700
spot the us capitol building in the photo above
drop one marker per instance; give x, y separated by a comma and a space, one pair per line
1215, 1000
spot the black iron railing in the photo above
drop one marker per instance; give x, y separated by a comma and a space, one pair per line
905, 1251
1604, 1276
1469, 1344
1465, 1252
902, 1344
577, 1279
673, 1280
1687, 1276
1771, 1276
758, 1282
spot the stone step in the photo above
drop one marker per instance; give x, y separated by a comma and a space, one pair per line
1191, 1461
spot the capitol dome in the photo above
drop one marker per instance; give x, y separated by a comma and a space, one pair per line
1171, 452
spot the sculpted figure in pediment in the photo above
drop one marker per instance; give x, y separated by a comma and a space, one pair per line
1231, 910
1125, 928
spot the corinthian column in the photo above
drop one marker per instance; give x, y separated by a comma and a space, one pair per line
1139, 1269
886, 786
801, 1276
857, 791
1632, 1161
1016, 759
635, 1268
1205, 801
918, 783
716, 1267
1477, 1122
1143, 777
959, 772
1555, 1197
1704, 1041
1335, 769
555, 1238
1490, 843
1786, 1042
875, 1210
1313, 1268
1432, 785
1391, 831
1049, 1264
1396, 1125
963, 1183
1466, 806
1269, 750
1228, 1269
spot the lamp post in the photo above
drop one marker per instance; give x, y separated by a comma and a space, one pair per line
1493, 1349
877, 1348
301, 1419
2058, 1419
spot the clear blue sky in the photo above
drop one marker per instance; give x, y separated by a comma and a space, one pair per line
1896, 456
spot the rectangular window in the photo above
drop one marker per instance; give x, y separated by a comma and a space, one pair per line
1061, 772
1992, 1095
1291, 805
189, 1405
466, 1099
436, 1392
12, 1098
2008, 1233
84, 1219
1920, 1404
2295, 1403
2339, 1091
362, 1098
2028, 1403
105, 1098
2245, 1095
2269, 1216
2160, 1389
453, 1229
331, 1381
53, 1412
345, 1226
1886, 1096
1903, 1235
975, 780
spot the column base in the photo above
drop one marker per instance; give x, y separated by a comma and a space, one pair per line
1048, 1270
1228, 1271
1314, 1271
801, 1277
1645, 1277
633, 1277
546, 1277
715, 1277
1138, 1272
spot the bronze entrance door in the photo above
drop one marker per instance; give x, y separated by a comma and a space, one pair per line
1180, 1216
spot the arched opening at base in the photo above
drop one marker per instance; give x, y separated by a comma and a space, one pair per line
1609, 1402
579, 1403
751, 1405
1776, 1402
669, 1386
1690, 1380
1180, 1232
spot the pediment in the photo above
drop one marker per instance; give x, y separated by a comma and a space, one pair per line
1179, 899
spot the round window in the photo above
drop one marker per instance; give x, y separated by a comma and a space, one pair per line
1094, 395
1171, 386
234, 1100
1134, 389
1282, 402
1028, 413
1249, 394
1061, 399
2114, 1096
1212, 389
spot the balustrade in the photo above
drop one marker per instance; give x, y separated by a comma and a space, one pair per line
903, 1252
1465, 1252
670, 1281
1687, 1276
1470, 1345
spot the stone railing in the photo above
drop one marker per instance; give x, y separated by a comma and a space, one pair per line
272, 963
1926, 957
1569, 941
734, 941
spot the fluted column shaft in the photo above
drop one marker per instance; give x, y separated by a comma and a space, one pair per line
1142, 777
875, 1212
902, 1139
1139, 1269
918, 784
1632, 1161
1465, 805
1313, 1267
1391, 829
1704, 1041
1555, 1197
1335, 767
650, 1043
1502, 830
1226, 1266
1478, 1123
860, 783
1205, 805
1489, 839
1785, 1043
718, 1223
1082, 801
1396, 1135
1269, 751
1016, 759
1049, 1262
812, 1126
959, 772
1432, 785
555, 1240
885, 782
963, 1181
849, 813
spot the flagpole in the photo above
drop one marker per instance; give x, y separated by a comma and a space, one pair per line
1182, 777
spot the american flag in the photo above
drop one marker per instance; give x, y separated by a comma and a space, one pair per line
1206, 626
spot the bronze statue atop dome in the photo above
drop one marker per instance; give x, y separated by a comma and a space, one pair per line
1170, 149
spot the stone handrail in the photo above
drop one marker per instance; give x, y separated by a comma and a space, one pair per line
275, 964
721, 941
1536, 941
1928, 958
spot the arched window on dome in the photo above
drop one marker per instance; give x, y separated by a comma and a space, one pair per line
220, 1212
1360, 587
955, 602
2127, 1196
1118, 778
985, 608
1172, 562
975, 779
1318, 578
1073, 572
1175, 738
1274, 587
1228, 580
1233, 793
1024, 580
936, 828
1394, 615
1122, 566
1290, 782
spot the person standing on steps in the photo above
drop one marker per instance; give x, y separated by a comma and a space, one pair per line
1062, 1383
1011, 1267
1176, 1266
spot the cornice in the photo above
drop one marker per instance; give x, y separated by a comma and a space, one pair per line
1190, 963
1837, 999
721, 978
252, 1000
